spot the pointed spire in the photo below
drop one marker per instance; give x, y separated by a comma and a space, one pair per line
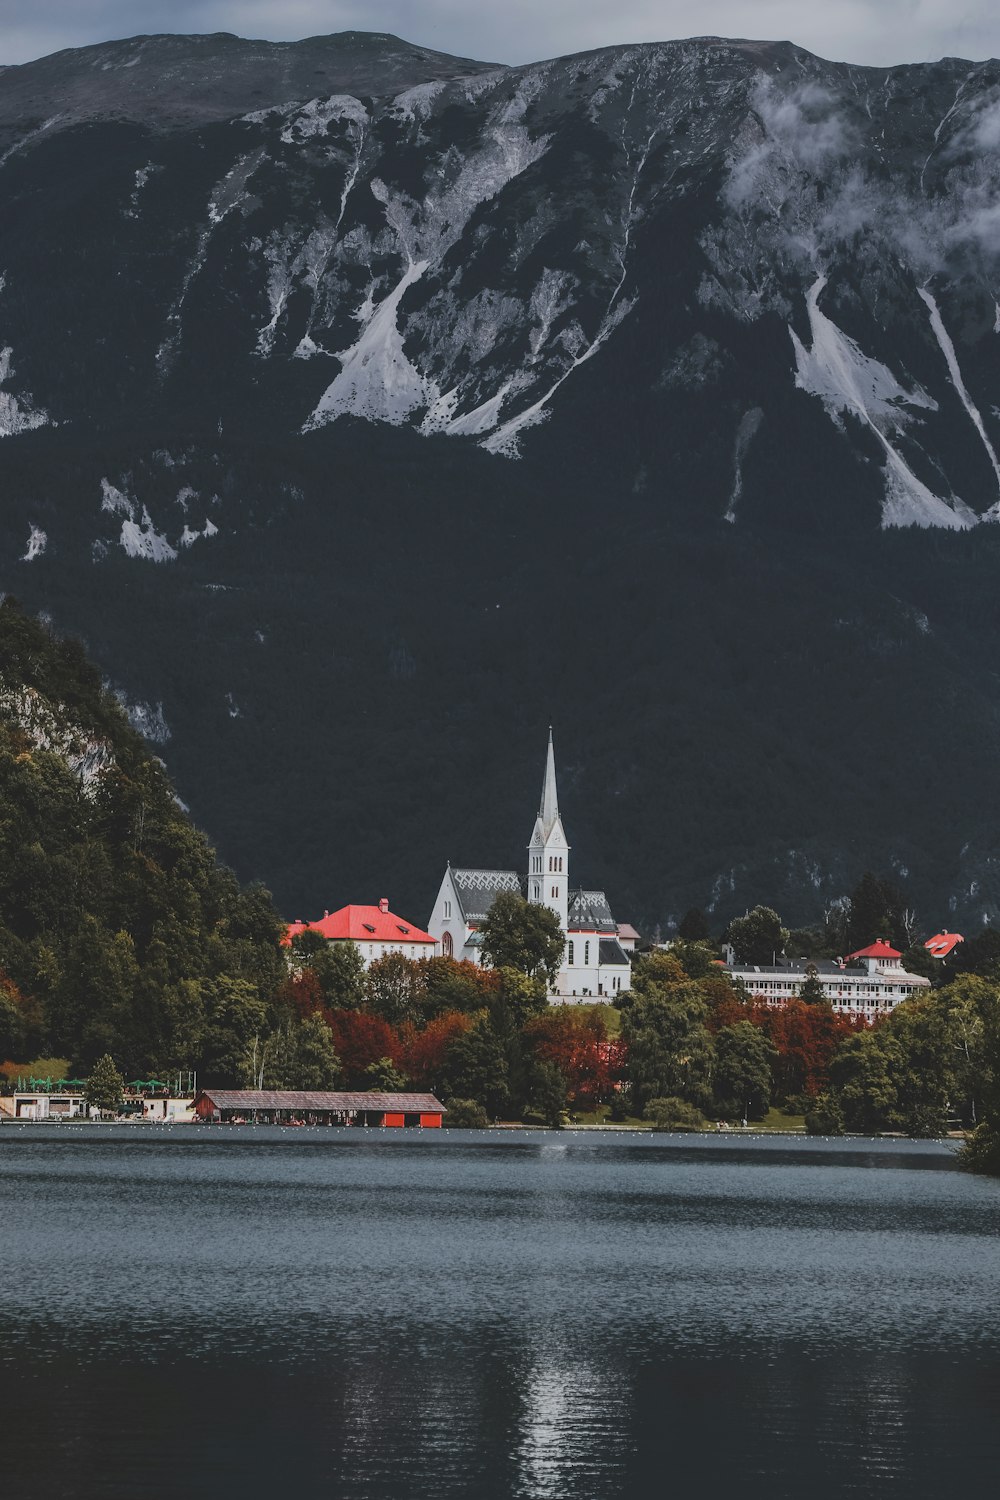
548, 810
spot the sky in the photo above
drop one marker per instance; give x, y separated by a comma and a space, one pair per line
880, 32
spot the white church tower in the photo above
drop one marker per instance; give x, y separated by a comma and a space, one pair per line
548, 852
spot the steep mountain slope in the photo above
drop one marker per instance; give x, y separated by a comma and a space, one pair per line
651, 392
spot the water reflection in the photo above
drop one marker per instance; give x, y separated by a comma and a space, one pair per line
491, 1319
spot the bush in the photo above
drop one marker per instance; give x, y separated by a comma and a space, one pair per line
825, 1117
674, 1115
465, 1114
981, 1152
619, 1106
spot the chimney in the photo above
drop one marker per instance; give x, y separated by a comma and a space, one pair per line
325, 915
383, 905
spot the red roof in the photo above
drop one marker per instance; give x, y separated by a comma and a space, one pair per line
876, 950
363, 924
941, 944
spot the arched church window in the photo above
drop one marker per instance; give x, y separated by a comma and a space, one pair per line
569, 951
447, 946
586, 953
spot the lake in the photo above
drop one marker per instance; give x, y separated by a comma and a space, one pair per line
230, 1312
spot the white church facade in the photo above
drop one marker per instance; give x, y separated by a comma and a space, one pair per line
596, 965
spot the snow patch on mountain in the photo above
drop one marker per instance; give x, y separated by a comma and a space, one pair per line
749, 425
954, 371
847, 380
188, 537
17, 414
377, 380
141, 539
318, 115
37, 543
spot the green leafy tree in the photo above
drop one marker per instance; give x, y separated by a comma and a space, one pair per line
301, 1055
476, 1067
340, 969
862, 1078
825, 1116
670, 1050
811, 990
758, 938
742, 1079
384, 1077
548, 1093
105, 1088
395, 988
523, 935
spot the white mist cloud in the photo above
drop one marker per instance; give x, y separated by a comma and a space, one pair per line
880, 32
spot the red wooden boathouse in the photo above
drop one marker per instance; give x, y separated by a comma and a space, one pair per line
307, 1107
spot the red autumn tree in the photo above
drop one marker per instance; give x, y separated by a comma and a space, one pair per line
577, 1042
361, 1039
303, 993
423, 1053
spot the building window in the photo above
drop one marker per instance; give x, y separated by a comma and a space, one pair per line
447, 908
536, 890
569, 952
555, 892
447, 946
586, 953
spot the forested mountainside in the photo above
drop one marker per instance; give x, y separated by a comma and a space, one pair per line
118, 929
367, 410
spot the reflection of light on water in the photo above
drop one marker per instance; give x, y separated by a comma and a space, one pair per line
571, 1430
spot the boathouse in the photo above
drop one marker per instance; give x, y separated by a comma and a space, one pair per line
305, 1107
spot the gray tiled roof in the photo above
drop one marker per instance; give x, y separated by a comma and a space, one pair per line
478, 889
589, 910
610, 951
306, 1100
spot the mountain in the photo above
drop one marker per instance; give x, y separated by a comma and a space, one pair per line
367, 410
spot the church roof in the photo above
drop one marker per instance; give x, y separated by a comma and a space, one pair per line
588, 911
610, 951
478, 889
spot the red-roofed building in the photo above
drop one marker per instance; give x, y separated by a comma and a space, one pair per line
877, 955
375, 929
943, 943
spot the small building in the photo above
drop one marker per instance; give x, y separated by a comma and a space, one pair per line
943, 943
317, 1107
48, 1106
869, 983
375, 930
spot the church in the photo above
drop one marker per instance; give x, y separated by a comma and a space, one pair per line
596, 963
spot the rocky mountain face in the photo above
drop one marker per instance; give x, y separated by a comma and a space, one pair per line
366, 410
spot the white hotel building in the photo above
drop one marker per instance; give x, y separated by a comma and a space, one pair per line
868, 983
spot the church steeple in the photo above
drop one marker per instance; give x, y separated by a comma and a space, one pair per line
548, 808
548, 852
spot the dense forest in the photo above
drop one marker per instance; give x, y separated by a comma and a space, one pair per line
121, 934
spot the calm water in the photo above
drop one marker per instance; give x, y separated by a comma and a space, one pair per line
234, 1313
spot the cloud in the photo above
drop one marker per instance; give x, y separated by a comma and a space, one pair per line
880, 32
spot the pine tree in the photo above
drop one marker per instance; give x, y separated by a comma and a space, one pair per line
105, 1086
